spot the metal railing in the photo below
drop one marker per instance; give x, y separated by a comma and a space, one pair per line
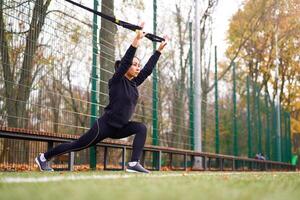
210, 161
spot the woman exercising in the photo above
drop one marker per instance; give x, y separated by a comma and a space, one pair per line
114, 123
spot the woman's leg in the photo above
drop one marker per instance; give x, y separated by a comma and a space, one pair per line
140, 131
85, 141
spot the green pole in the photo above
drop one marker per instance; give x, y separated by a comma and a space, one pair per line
249, 120
278, 133
283, 133
191, 90
267, 143
285, 139
94, 96
154, 94
235, 136
216, 105
259, 124
289, 139
274, 135
254, 118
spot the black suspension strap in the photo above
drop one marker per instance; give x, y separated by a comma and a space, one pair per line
124, 24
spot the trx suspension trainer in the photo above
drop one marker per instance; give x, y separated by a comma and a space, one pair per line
124, 24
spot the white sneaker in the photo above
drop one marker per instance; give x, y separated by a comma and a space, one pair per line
137, 168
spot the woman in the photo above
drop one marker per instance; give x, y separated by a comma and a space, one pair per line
114, 123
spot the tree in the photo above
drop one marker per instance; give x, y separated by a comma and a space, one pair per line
40, 63
18, 81
251, 39
205, 60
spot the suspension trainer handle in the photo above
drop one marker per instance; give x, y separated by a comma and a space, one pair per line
124, 24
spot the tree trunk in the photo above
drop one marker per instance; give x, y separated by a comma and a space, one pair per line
7, 72
26, 78
107, 51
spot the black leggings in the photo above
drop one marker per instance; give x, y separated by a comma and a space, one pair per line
101, 130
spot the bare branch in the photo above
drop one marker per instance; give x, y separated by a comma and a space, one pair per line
70, 16
14, 7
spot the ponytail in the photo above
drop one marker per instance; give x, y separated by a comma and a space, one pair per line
117, 64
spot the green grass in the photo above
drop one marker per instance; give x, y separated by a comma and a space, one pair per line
158, 185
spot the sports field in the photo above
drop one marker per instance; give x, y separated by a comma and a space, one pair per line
158, 185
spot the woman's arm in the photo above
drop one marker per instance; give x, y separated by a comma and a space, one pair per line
128, 57
148, 68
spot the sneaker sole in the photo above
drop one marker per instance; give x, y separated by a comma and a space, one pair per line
133, 171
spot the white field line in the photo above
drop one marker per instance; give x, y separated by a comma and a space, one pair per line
77, 177
125, 176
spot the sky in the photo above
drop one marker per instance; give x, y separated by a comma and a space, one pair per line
224, 11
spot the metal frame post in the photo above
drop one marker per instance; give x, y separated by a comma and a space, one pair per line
267, 143
278, 128
191, 101
154, 94
289, 139
249, 119
217, 143
198, 91
259, 123
235, 134
94, 96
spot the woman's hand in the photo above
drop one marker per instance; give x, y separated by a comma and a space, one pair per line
162, 44
139, 36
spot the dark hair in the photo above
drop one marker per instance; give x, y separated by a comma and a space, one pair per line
118, 62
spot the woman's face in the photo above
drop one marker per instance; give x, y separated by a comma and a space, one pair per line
134, 69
